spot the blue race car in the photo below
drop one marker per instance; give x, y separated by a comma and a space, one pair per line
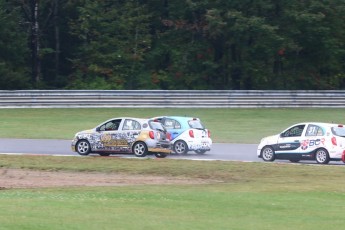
186, 134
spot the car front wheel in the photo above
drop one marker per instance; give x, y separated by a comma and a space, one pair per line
180, 147
322, 156
83, 147
140, 149
267, 154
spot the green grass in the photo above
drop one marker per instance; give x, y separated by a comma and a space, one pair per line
226, 125
241, 196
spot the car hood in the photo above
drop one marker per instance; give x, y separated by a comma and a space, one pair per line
270, 139
88, 131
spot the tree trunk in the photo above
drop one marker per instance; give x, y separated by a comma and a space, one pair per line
57, 37
35, 43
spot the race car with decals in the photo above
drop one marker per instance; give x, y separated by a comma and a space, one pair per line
124, 135
187, 134
322, 142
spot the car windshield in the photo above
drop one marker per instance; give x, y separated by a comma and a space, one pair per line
156, 126
339, 131
195, 124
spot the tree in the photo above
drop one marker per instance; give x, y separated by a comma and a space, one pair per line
114, 38
13, 49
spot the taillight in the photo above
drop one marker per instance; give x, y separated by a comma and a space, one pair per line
152, 135
168, 136
191, 133
334, 140
208, 133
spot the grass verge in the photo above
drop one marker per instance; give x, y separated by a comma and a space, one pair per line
226, 125
240, 196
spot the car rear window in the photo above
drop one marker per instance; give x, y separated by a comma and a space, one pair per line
156, 125
339, 131
195, 124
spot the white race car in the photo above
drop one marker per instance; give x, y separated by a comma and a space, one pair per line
322, 142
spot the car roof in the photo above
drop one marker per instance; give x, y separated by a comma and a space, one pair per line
179, 118
141, 120
319, 124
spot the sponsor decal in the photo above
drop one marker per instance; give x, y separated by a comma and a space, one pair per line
288, 146
305, 144
108, 141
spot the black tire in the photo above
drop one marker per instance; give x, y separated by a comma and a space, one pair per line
200, 151
140, 149
294, 160
83, 147
322, 156
267, 153
180, 147
160, 155
104, 154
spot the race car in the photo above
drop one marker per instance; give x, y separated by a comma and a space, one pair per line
322, 142
124, 135
187, 134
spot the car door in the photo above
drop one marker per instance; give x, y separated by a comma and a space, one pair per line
314, 138
129, 132
289, 142
110, 140
173, 127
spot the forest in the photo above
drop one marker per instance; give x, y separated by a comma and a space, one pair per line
172, 45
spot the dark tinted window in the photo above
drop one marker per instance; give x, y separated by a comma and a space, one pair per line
338, 131
195, 124
110, 125
171, 124
131, 125
295, 131
314, 130
156, 125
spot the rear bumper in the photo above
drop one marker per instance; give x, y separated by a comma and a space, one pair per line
203, 144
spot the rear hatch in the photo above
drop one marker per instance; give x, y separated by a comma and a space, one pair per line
338, 138
198, 130
161, 132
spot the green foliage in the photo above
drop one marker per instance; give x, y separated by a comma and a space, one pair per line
13, 49
114, 38
192, 44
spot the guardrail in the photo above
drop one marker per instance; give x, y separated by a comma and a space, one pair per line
171, 99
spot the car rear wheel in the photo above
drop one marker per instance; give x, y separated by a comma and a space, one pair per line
83, 147
268, 154
200, 151
322, 156
180, 147
140, 149
160, 155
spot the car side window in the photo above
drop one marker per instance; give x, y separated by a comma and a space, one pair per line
171, 124
295, 131
314, 130
111, 125
131, 125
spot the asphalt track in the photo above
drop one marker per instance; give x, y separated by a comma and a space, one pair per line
229, 152
219, 151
